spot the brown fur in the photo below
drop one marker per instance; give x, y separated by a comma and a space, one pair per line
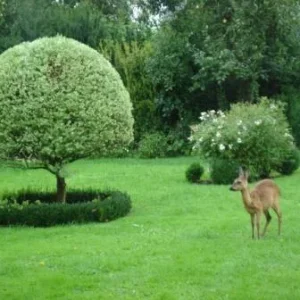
265, 195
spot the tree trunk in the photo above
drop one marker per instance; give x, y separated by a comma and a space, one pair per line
61, 189
223, 103
248, 91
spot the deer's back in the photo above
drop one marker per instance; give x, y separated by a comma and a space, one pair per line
267, 192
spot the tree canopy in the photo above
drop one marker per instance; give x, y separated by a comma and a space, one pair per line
86, 21
209, 54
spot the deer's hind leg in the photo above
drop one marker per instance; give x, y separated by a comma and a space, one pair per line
258, 215
268, 220
252, 224
279, 216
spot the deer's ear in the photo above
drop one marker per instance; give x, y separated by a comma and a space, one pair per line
241, 171
246, 174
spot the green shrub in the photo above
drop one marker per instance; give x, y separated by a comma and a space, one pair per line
257, 136
290, 164
223, 171
153, 145
194, 172
39, 208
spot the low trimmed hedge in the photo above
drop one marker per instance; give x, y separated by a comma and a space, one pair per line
194, 172
39, 209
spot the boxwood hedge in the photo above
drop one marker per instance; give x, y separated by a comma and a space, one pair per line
39, 209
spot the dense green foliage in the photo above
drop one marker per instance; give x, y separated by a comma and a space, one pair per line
291, 97
254, 135
40, 209
83, 20
61, 101
212, 53
129, 59
194, 172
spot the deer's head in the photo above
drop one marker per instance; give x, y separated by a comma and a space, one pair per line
241, 182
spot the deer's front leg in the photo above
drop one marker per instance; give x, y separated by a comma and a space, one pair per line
252, 224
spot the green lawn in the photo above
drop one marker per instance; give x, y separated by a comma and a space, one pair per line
180, 241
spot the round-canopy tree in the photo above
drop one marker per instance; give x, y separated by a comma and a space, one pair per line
60, 101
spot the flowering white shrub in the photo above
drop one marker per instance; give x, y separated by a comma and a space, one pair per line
254, 135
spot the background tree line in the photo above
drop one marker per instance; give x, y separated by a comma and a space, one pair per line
177, 57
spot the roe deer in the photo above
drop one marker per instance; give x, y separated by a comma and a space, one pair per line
265, 195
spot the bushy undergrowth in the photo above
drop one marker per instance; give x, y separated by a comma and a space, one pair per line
39, 209
157, 144
153, 145
290, 164
223, 171
194, 172
256, 136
